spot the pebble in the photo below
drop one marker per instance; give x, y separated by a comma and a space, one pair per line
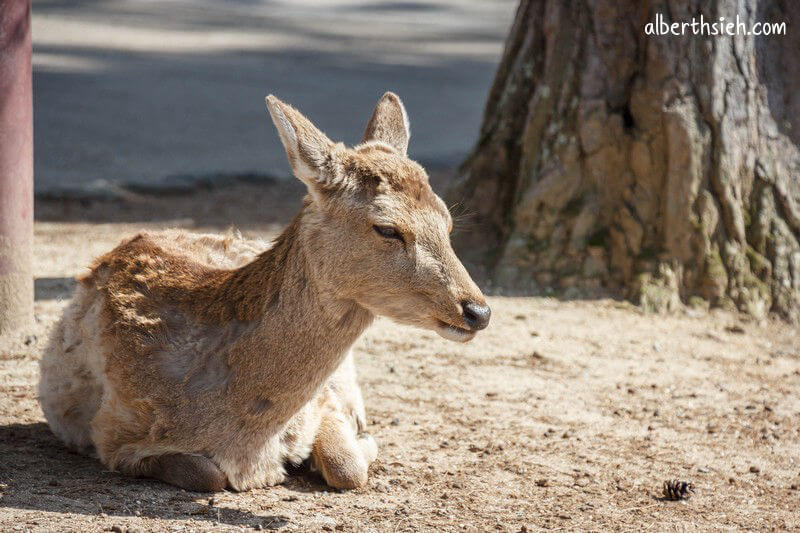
754, 470
542, 483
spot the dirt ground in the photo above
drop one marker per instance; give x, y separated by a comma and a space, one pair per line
563, 414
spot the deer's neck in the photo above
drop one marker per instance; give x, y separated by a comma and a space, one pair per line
296, 331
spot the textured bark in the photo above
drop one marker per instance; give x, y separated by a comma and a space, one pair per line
665, 167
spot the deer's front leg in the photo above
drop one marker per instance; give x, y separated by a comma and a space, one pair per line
342, 452
342, 456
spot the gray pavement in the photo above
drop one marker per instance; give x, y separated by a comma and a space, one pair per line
154, 92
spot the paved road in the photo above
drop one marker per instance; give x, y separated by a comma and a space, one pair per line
137, 91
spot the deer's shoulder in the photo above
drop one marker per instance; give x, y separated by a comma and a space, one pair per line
173, 273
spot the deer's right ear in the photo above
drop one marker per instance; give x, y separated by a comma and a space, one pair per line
309, 150
389, 123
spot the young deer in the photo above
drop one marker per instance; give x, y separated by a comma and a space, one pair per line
209, 362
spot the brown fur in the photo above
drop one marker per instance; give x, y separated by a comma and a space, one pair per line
209, 361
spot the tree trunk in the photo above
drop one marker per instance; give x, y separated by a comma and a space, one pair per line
662, 166
16, 167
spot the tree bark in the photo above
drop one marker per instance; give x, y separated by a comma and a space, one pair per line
664, 167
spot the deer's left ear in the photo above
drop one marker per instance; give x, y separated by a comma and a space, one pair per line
389, 123
311, 154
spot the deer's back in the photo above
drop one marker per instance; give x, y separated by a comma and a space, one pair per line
163, 357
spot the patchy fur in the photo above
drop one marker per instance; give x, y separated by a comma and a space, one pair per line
209, 361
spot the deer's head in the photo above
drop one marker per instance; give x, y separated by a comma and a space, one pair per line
375, 230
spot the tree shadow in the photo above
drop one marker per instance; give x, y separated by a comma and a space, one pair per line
138, 112
38, 473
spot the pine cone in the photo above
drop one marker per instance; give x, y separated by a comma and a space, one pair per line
678, 490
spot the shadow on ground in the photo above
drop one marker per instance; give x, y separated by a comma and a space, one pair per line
38, 473
132, 92
53, 288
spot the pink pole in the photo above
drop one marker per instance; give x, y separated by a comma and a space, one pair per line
16, 166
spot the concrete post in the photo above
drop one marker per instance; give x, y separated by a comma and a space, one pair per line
16, 166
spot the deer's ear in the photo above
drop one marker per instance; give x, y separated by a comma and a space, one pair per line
389, 123
309, 151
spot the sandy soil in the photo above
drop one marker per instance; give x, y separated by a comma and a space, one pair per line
562, 414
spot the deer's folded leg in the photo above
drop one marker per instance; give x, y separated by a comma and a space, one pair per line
190, 472
339, 454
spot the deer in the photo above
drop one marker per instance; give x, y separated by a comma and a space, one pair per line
211, 362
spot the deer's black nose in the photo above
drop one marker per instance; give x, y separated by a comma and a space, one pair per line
476, 315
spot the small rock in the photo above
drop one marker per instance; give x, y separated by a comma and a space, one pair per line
657, 347
395, 422
117, 529
736, 328
491, 394
542, 483
328, 523
211, 502
754, 470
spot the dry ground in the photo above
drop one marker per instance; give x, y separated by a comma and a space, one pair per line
562, 414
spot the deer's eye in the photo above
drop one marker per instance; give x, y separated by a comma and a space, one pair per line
388, 232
